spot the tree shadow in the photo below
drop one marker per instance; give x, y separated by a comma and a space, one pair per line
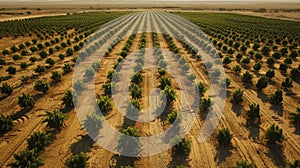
178, 159
20, 114
3, 97
117, 161
237, 108
262, 96
83, 145
222, 153
253, 129
271, 82
277, 108
277, 155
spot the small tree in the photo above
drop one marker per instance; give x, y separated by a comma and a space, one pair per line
244, 164
183, 146
55, 119
42, 86
33, 59
271, 62
27, 158
205, 105
201, 88
254, 112
172, 116
164, 82
276, 98
137, 78
129, 145
274, 134
69, 52
287, 83
56, 76
162, 72
92, 124
257, 66
11, 70
226, 60
77, 161
295, 74
270, 73
43, 54
39, 69
237, 96
246, 60
68, 98
107, 87
262, 83
67, 68
23, 65
170, 93
50, 62
134, 107
26, 101
283, 67
135, 91
104, 104
226, 82
6, 124
89, 73
38, 140
224, 137
6, 89
237, 69
295, 117
247, 77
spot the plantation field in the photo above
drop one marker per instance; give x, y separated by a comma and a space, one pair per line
259, 126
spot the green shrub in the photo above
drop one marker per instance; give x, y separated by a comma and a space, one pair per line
224, 137
56, 76
26, 101
55, 119
42, 86
274, 134
33, 59
39, 69
23, 65
68, 98
11, 70
67, 68
6, 124
105, 104
38, 140
183, 146
262, 83
6, 89
92, 124
237, 96
77, 161
254, 112
276, 98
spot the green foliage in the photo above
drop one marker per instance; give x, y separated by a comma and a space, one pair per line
129, 145
244, 164
89, 73
262, 83
296, 164
2, 61
43, 54
105, 104
38, 141
270, 73
295, 74
254, 112
224, 137
62, 56
135, 91
172, 116
56, 76
247, 77
77, 161
274, 134
68, 98
237, 69
67, 68
23, 65
6, 89
27, 159
134, 106
92, 124
55, 119
170, 94
257, 66
283, 67
50, 62
6, 124
287, 83
26, 101
33, 59
137, 78
227, 60
183, 146
42, 86
205, 105
164, 82
107, 87
276, 98
226, 82
40, 69
69, 52
237, 96
11, 70
295, 117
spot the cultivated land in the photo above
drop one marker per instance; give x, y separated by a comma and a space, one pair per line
251, 44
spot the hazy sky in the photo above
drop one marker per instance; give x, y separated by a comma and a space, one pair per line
138, 1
